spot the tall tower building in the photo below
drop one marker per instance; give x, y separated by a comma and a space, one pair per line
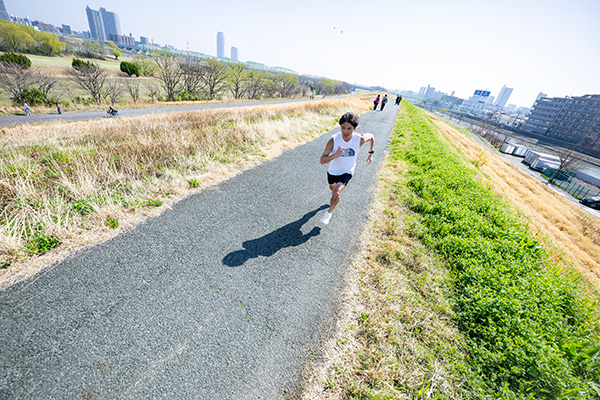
220, 44
112, 26
96, 24
3, 12
503, 96
234, 54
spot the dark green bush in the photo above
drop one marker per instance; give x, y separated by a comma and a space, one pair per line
18, 59
31, 96
190, 96
130, 68
79, 64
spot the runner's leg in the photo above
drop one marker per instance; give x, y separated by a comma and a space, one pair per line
336, 190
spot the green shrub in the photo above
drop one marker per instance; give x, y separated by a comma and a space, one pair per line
190, 96
33, 96
130, 68
18, 59
79, 64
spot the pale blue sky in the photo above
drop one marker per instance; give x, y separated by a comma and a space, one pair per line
530, 45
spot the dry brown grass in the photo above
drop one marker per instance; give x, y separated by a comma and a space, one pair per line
569, 233
120, 169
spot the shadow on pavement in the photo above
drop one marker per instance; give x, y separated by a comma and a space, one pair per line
269, 244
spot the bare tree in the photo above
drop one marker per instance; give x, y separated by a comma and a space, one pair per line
153, 90
191, 75
237, 77
169, 73
45, 83
15, 78
113, 91
567, 161
133, 88
90, 77
214, 77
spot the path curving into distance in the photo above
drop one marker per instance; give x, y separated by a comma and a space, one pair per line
222, 297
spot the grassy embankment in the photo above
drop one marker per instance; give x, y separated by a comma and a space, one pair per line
67, 184
456, 297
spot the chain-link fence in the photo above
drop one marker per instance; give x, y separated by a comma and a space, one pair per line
566, 182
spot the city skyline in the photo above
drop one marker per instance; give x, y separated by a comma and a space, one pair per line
530, 46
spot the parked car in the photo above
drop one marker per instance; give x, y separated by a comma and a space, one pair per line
593, 202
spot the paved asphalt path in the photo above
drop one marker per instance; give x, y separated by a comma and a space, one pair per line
87, 115
225, 296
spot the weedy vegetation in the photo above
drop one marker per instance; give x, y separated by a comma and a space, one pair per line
456, 298
61, 183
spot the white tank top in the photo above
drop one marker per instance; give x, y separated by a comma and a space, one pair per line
347, 161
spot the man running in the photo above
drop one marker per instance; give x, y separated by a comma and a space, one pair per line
343, 160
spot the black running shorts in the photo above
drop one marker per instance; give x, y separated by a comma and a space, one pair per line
332, 179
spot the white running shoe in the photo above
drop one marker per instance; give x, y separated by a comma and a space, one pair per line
326, 218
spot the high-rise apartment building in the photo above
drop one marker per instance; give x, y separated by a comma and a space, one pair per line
503, 96
578, 121
430, 91
544, 113
3, 13
234, 54
112, 26
96, 24
220, 45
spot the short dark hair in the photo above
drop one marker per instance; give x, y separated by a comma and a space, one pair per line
350, 118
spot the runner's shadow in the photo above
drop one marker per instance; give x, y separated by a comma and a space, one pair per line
287, 236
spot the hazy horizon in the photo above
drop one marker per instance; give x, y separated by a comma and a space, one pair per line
531, 46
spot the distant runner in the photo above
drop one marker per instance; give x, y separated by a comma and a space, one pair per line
384, 102
376, 102
343, 160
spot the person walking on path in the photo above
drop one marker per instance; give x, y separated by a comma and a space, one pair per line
384, 102
376, 102
27, 109
398, 100
58, 108
341, 151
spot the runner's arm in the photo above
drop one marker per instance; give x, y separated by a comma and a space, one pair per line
367, 137
326, 157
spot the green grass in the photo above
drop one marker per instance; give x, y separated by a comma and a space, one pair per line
65, 62
530, 330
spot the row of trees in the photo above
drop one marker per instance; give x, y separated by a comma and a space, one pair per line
174, 79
